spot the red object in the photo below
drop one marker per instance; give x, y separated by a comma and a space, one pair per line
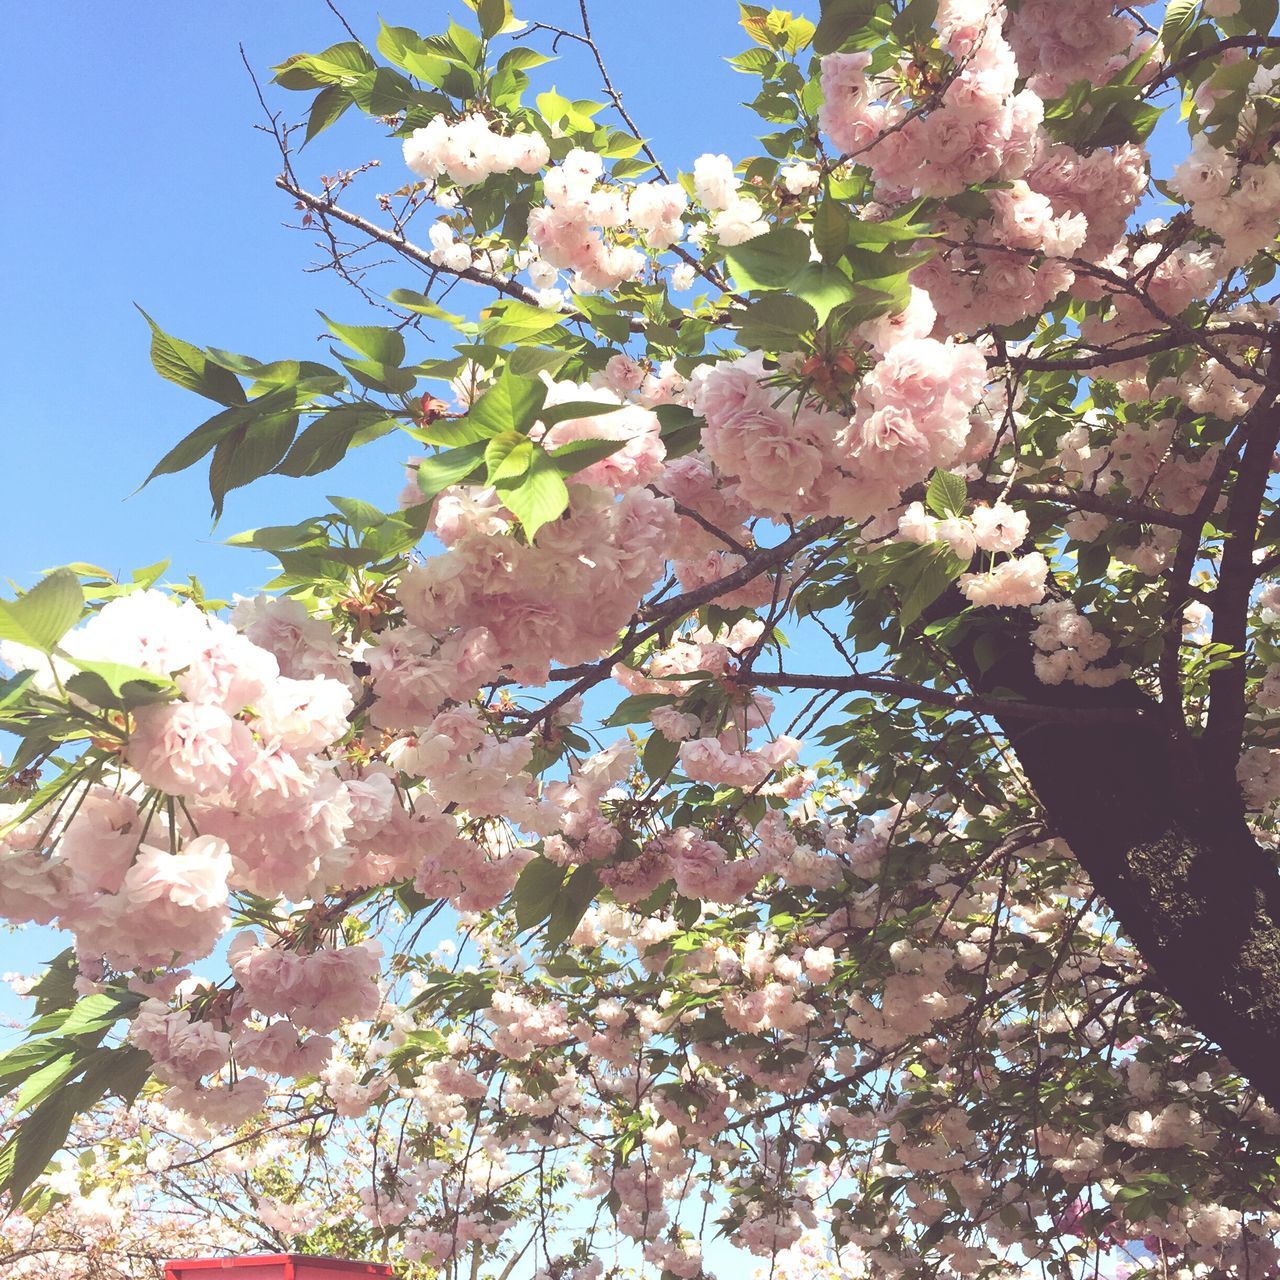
274, 1266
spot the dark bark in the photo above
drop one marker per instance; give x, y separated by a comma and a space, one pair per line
1171, 854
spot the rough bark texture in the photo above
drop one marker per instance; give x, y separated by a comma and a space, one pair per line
1171, 855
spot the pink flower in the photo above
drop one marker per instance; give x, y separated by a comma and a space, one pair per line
999, 527
186, 749
1016, 582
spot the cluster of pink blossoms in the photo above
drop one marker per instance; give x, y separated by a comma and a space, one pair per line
568, 230
788, 456
1068, 648
981, 128
143, 890
470, 150
1237, 201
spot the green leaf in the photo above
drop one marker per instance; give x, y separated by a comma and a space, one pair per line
517, 322
117, 685
249, 452
933, 568
553, 414
99, 1012
947, 494
831, 224
41, 617
276, 537
571, 905
325, 442
409, 50
578, 454
189, 367
192, 447
636, 709
511, 404
754, 62
498, 454
770, 261
775, 321
382, 92
12, 688
529, 484
522, 58
530, 361
824, 288
37, 1086
494, 16
377, 342
840, 21
360, 515
411, 300
1179, 18
536, 891
36, 1140
326, 107
453, 466
338, 64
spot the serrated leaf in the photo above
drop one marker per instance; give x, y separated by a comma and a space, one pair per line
840, 21
382, 345
338, 64
411, 300
511, 404
824, 288
831, 224
248, 453
118, 685
189, 367
37, 1086
575, 409
946, 494
1179, 18
36, 1140
41, 617
530, 485
326, 107
577, 455
536, 890
453, 466
933, 568
99, 1012
770, 261
571, 905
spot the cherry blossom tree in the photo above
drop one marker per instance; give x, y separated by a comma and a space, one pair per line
797, 772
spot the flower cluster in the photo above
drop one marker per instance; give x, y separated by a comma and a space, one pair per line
469, 150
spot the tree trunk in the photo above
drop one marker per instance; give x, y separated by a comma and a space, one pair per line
1172, 858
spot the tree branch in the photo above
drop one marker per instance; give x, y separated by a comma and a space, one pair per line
891, 685
1236, 576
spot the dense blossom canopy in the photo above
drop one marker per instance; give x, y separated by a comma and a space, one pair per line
825, 667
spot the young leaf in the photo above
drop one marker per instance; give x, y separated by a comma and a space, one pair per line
45, 614
380, 344
770, 261
530, 486
511, 404
453, 466
946, 494
188, 366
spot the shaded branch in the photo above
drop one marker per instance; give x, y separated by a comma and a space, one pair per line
891, 685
